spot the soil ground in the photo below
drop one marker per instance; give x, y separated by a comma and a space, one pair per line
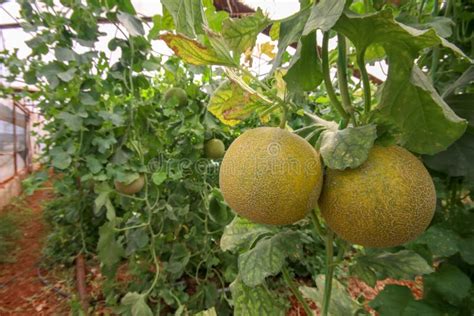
21, 290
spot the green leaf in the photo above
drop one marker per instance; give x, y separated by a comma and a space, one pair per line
220, 47
441, 241
72, 121
449, 282
137, 304
404, 264
241, 233
64, 54
324, 15
347, 148
267, 257
67, 75
194, 52
340, 303
290, 29
396, 300
207, 312
110, 252
231, 104
442, 25
104, 143
304, 72
466, 248
60, 159
161, 23
103, 192
465, 79
136, 239
159, 177
215, 19
187, 16
116, 119
93, 164
364, 273
132, 24
275, 31
241, 33
456, 160
180, 256
431, 125
255, 301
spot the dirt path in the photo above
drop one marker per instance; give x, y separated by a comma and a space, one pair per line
21, 291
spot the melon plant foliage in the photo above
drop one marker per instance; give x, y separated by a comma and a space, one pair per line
177, 244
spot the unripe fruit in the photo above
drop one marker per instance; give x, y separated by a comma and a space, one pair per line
214, 148
132, 188
387, 201
178, 94
271, 176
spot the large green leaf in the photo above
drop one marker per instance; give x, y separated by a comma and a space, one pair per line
255, 301
341, 302
267, 257
290, 32
60, 159
103, 192
241, 233
187, 16
72, 121
231, 104
194, 52
346, 148
109, 250
241, 33
423, 121
442, 242
137, 304
456, 161
396, 300
179, 259
132, 24
324, 15
304, 72
64, 54
404, 264
381, 28
409, 105
449, 282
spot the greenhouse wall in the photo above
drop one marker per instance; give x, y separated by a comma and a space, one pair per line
17, 147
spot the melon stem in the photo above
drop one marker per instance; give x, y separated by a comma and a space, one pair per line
296, 292
283, 118
329, 272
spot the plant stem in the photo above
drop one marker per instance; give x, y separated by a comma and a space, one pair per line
435, 56
295, 291
283, 118
327, 79
317, 225
329, 272
365, 80
342, 77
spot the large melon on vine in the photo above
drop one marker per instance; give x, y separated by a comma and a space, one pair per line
387, 201
271, 176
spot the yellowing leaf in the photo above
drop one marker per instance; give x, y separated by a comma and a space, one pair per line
193, 52
280, 83
267, 49
231, 104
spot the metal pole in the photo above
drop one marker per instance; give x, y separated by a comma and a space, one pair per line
14, 137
